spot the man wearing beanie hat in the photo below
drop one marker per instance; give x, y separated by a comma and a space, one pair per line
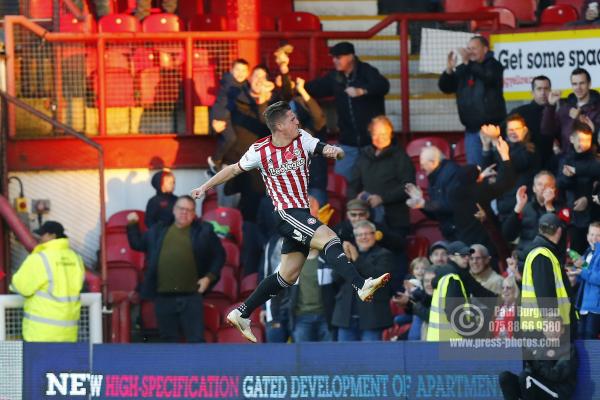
50, 279
359, 90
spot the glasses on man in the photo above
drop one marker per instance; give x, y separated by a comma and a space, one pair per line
184, 209
477, 258
364, 234
357, 214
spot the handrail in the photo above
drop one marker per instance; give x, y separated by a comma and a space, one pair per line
71, 132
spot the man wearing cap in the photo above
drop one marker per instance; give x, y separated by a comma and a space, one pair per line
50, 279
546, 291
438, 253
359, 90
453, 287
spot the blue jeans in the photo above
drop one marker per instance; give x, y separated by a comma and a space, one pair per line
311, 328
473, 148
277, 332
354, 334
180, 314
345, 166
414, 333
589, 326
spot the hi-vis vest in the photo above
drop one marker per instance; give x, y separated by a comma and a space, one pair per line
531, 316
50, 279
439, 329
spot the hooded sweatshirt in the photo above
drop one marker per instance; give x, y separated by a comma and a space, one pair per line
160, 206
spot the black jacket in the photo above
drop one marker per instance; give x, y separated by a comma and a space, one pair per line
579, 185
354, 114
561, 372
478, 88
219, 110
160, 206
384, 174
373, 315
525, 161
208, 252
438, 207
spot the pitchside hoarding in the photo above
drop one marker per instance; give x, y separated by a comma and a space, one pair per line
554, 54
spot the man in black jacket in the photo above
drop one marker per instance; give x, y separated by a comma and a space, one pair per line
478, 84
442, 176
359, 90
184, 260
532, 113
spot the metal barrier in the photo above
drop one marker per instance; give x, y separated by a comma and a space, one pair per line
129, 83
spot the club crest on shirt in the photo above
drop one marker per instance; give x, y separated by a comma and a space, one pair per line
288, 156
311, 221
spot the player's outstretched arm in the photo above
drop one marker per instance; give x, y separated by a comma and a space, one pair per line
222, 176
334, 152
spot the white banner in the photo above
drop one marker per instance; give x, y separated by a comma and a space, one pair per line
554, 54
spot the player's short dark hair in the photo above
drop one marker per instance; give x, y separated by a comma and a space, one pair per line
484, 42
580, 71
242, 61
275, 112
581, 127
540, 78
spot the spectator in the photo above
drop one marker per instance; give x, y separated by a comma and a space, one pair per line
588, 296
438, 254
578, 188
523, 222
414, 298
184, 260
478, 84
504, 325
582, 105
358, 210
359, 90
160, 207
589, 13
442, 176
220, 115
358, 320
545, 283
523, 156
380, 174
480, 268
50, 279
453, 286
532, 113
143, 7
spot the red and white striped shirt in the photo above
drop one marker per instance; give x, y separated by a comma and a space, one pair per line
284, 169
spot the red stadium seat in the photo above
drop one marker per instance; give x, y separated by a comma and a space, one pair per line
117, 249
40, 9
507, 19
188, 9
578, 4
122, 276
416, 246
70, 23
93, 282
267, 23
226, 288
120, 89
210, 202
119, 23
248, 284
148, 316
459, 153
429, 230
416, 217
205, 85
413, 148
228, 334
275, 8
212, 318
299, 22
559, 14
524, 10
208, 22
232, 255
230, 217
159, 23
395, 332
463, 5
337, 188
118, 221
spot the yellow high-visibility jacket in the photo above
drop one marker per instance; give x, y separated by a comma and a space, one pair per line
50, 279
439, 329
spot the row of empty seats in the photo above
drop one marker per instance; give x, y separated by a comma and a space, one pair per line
519, 12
